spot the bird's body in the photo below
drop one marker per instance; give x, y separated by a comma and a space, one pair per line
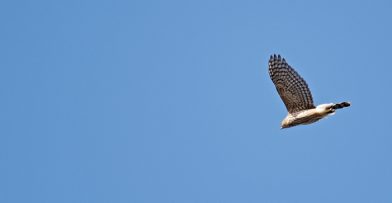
296, 95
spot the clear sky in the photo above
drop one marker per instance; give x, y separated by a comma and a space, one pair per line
170, 101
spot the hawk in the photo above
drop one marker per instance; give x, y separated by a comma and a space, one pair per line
296, 96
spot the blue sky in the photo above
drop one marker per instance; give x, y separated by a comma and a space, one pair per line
170, 101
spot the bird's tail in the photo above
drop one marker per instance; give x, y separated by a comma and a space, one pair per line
341, 105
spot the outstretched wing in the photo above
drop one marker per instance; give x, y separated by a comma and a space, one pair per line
291, 87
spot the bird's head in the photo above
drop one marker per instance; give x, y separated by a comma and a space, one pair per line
285, 124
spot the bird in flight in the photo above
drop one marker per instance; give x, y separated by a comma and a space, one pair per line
296, 95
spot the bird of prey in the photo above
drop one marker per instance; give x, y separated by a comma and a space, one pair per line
296, 95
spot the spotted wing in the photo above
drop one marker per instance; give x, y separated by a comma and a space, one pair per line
291, 87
